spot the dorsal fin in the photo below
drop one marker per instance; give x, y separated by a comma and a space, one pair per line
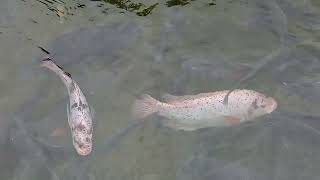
172, 98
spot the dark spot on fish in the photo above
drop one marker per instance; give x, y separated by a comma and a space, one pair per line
80, 107
59, 67
74, 105
84, 106
87, 139
80, 145
80, 127
68, 74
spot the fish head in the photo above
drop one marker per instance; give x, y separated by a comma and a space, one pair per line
264, 105
271, 105
82, 143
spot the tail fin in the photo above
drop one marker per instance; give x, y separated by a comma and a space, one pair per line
48, 63
144, 106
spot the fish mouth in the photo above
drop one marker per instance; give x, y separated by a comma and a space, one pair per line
82, 143
84, 151
272, 105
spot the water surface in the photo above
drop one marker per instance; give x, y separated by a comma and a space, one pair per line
116, 53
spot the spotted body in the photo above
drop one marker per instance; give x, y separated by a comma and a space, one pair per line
193, 112
78, 111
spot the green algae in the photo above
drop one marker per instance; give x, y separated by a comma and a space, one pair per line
139, 8
147, 11
171, 3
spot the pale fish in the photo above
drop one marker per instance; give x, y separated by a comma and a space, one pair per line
79, 114
192, 112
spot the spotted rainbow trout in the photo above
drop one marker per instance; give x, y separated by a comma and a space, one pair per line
192, 112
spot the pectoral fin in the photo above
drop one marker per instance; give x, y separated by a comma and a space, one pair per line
226, 98
68, 112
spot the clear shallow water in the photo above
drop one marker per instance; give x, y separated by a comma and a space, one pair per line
116, 55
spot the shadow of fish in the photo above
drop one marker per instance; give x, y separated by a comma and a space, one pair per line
87, 44
279, 143
30, 152
37, 156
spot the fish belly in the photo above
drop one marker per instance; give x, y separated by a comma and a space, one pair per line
194, 117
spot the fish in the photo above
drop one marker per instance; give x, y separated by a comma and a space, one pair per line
79, 113
192, 112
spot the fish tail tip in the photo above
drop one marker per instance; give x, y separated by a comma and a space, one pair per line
46, 61
50, 64
144, 106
